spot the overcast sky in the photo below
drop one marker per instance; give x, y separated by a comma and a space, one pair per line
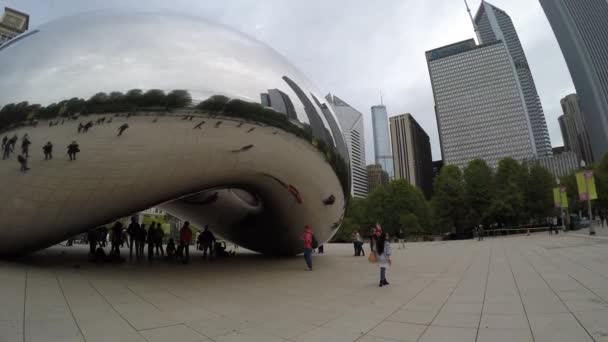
358, 49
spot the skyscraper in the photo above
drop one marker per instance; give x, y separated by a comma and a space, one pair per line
581, 28
376, 177
495, 24
412, 153
479, 104
351, 122
574, 129
382, 147
280, 102
12, 24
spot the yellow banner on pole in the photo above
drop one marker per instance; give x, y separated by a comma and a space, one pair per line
560, 197
556, 198
564, 198
586, 185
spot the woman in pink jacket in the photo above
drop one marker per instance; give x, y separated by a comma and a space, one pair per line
308, 237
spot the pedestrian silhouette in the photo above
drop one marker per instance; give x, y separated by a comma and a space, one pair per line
122, 129
199, 126
250, 130
240, 124
48, 151
25, 146
73, 148
80, 127
23, 163
217, 124
243, 149
87, 126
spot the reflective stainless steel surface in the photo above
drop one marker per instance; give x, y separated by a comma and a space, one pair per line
224, 132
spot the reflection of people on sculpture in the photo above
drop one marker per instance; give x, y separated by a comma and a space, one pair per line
250, 130
4, 140
23, 162
199, 125
122, 129
25, 146
87, 126
329, 200
116, 238
170, 249
243, 149
80, 127
73, 149
158, 239
141, 240
48, 151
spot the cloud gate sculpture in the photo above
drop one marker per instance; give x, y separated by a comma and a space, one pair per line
163, 110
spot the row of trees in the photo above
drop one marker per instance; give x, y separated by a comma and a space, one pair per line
512, 195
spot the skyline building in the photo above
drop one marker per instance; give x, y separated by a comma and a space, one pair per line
581, 29
377, 177
280, 102
412, 153
560, 165
494, 24
351, 121
574, 129
479, 104
382, 147
12, 24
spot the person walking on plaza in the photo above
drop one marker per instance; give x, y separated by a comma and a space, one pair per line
353, 238
185, 238
359, 243
93, 236
133, 231
141, 239
383, 255
158, 239
48, 151
25, 146
151, 241
116, 237
207, 239
73, 149
308, 237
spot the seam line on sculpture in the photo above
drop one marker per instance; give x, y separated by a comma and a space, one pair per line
521, 300
560, 299
485, 291
69, 306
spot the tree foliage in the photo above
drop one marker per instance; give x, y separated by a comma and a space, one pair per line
449, 199
508, 204
479, 192
539, 193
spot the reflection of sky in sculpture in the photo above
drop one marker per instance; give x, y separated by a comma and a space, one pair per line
111, 51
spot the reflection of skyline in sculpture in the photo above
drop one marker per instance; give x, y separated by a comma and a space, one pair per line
12, 24
318, 128
351, 122
335, 128
172, 156
280, 102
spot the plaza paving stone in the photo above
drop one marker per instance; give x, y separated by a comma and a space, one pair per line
521, 288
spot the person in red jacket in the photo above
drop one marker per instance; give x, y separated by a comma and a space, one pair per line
308, 237
185, 237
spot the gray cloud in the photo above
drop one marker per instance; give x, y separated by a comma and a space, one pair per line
358, 49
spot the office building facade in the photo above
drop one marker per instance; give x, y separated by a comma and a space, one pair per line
12, 24
581, 29
351, 122
382, 147
574, 129
280, 102
377, 177
479, 104
559, 165
494, 24
412, 153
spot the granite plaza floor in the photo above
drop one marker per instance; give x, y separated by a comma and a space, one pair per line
524, 288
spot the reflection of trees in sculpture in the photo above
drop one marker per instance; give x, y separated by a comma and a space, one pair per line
116, 102
13, 115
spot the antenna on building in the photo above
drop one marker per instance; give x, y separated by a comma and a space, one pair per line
475, 28
381, 103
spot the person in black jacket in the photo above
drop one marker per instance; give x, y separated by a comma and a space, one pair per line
207, 239
133, 231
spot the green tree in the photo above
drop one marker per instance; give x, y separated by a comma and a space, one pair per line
508, 204
154, 97
179, 99
215, 103
479, 192
410, 225
539, 193
448, 200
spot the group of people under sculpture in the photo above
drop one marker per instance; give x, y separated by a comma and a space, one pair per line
136, 237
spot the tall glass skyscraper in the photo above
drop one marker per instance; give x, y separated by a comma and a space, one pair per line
495, 24
382, 147
581, 28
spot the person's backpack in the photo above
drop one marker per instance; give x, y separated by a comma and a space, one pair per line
315, 243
